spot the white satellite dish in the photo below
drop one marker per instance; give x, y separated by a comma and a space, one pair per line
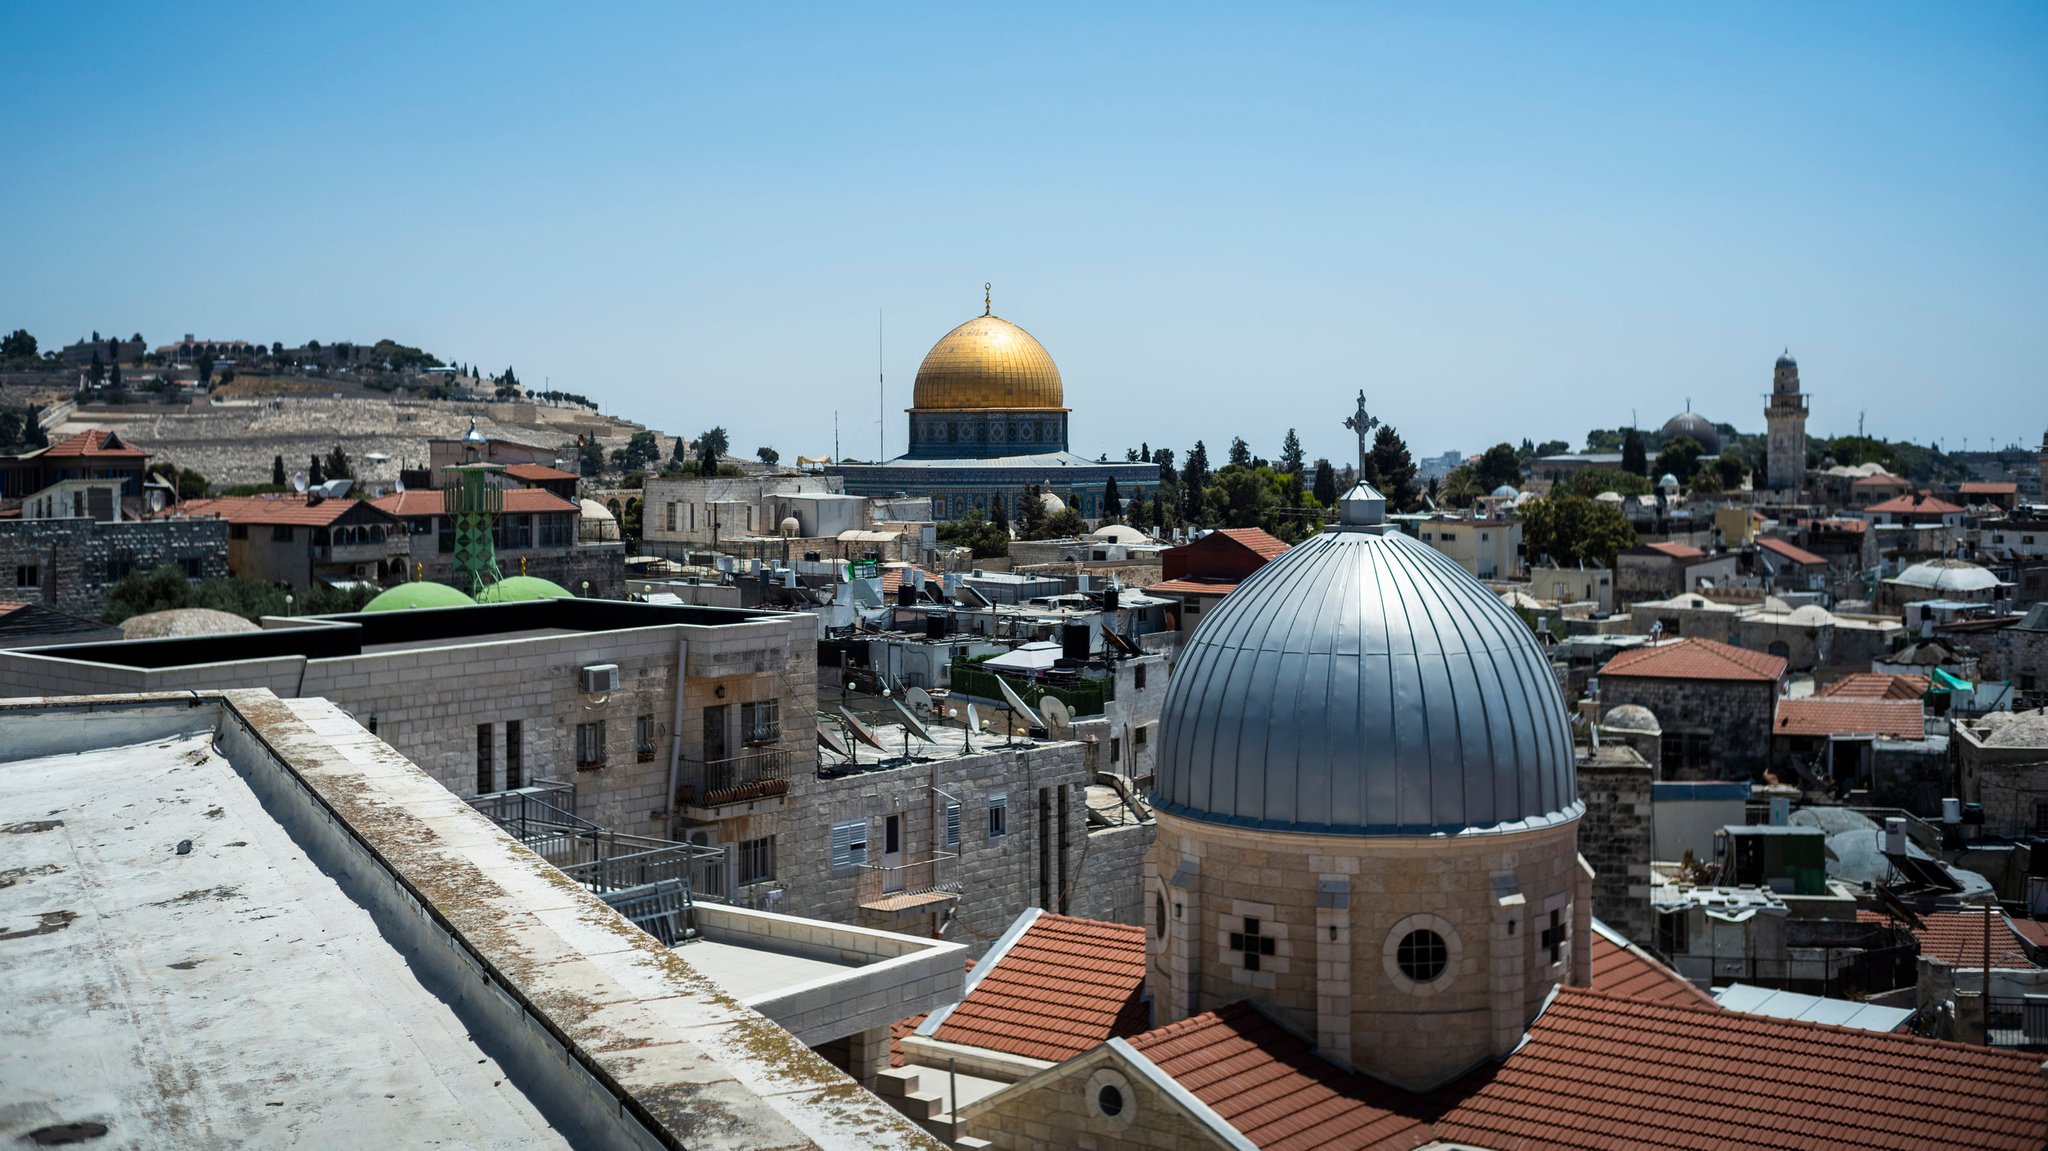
920, 700
299, 482
830, 741
399, 485
973, 718
1017, 705
912, 724
860, 730
1059, 719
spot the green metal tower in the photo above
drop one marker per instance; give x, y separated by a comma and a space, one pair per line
472, 502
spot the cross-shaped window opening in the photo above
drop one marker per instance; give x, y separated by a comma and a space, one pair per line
1250, 944
1553, 937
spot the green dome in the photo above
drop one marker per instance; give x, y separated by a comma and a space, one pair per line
513, 589
424, 593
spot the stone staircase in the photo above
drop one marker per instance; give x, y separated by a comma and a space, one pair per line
901, 1088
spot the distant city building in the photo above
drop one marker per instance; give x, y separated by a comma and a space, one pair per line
989, 420
1786, 417
110, 352
302, 540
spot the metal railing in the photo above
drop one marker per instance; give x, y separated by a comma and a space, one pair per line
750, 767
598, 858
929, 877
2017, 1021
666, 909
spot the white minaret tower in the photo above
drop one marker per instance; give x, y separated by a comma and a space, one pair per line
1787, 420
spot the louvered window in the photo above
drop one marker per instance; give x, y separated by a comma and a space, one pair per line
849, 844
952, 823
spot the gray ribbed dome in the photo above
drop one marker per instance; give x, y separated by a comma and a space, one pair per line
1364, 684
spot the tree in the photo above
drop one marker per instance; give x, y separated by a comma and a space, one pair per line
277, 471
114, 377
18, 347
678, 454
1680, 457
1112, 501
1159, 509
984, 539
1552, 448
1031, 514
1592, 483
1390, 469
1240, 453
590, 456
1461, 486
1326, 484
1571, 529
768, 456
97, 373
711, 448
1000, 506
206, 371
315, 473
1141, 513
1634, 457
1290, 453
1194, 480
339, 466
1498, 466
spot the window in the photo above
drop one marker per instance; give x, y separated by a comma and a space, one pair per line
1422, 955
757, 860
1138, 735
590, 744
849, 844
1158, 916
118, 567
998, 814
643, 736
2040, 818
554, 531
1554, 937
281, 533
952, 823
1138, 674
1109, 1101
1449, 537
515, 755
192, 566
28, 575
761, 722
445, 543
486, 777
1116, 749
238, 531
1674, 933
1250, 945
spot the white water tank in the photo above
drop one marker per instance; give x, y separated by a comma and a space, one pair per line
1951, 810
1895, 836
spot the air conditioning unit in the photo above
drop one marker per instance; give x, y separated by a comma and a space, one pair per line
600, 679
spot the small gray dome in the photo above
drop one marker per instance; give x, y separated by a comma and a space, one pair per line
1631, 717
1786, 360
1699, 427
1365, 684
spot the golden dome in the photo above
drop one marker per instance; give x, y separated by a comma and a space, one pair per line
988, 362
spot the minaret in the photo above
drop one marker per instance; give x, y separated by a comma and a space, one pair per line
2041, 488
1787, 420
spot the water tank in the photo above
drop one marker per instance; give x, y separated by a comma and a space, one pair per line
1074, 641
1109, 598
1781, 811
1895, 836
906, 594
938, 625
1951, 810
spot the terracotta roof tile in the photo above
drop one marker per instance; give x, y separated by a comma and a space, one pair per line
1604, 1071
1677, 551
538, 472
1275, 1090
1876, 685
893, 577
518, 501
1920, 502
1957, 938
1628, 971
293, 509
1063, 987
1696, 659
1839, 715
96, 443
1194, 587
1976, 488
1267, 545
1881, 481
1793, 552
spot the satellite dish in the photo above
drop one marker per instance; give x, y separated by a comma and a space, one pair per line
915, 726
1059, 719
1017, 705
399, 485
973, 718
920, 700
860, 730
156, 499
299, 482
830, 741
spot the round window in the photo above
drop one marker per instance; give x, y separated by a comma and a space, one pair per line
1422, 955
1158, 916
1109, 1101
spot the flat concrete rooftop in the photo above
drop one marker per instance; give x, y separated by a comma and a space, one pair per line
233, 994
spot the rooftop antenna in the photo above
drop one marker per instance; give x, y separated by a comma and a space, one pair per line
1859, 425
881, 396
835, 434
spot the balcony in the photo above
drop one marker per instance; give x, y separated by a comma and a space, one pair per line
755, 778
908, 886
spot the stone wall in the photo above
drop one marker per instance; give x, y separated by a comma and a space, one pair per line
78, 561
1061, 1110
1615, 783
1733, 717
1113, 874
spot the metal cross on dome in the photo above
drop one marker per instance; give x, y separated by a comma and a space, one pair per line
1362, 424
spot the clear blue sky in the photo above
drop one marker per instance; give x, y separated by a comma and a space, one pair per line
1497, 221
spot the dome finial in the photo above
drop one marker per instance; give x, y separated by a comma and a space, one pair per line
986, 297
1362, 506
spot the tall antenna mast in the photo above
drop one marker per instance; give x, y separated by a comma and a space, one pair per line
881, 397
835, 436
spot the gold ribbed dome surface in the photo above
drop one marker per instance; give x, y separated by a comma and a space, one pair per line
988, 362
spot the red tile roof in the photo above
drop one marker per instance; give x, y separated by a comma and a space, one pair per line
893, 577
537, 473
276, 509
96, 444
1630, 972
1677, 551
519, 501
1604, 1071
1268, 546
1839, 715
1957, 938
1876, 685
1696, 659
1194, 587
1880, 481
1919, 502
1275, 1090
1990, 489
1793, 552
1062, 987
1854, 527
